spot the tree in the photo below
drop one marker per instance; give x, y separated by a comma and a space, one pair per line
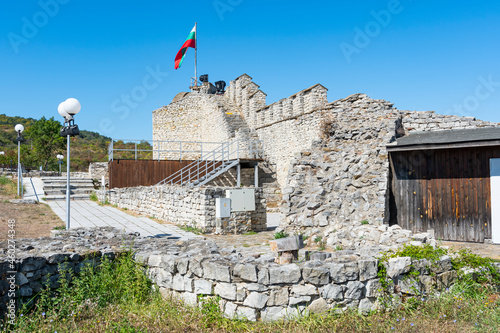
47, 142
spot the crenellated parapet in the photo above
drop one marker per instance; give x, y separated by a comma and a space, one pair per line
246, 95
303, 102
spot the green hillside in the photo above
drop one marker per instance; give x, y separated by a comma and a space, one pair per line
86, 148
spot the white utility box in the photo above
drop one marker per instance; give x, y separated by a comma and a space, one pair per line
222, 207
242, 200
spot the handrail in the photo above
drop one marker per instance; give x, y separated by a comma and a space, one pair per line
209, 162
179, 148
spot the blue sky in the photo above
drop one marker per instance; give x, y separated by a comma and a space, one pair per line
117, 57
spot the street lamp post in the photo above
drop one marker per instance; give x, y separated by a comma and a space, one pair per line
68, 109
60, 158
3, 164
19, 129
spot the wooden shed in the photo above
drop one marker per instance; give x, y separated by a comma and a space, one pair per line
448, 181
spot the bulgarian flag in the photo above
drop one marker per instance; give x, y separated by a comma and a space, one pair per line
190, 42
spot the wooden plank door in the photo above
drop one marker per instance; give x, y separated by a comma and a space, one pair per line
495, 199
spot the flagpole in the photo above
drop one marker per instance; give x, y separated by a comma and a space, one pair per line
195, 51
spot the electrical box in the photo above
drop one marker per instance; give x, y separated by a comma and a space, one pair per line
242, 200
222, 207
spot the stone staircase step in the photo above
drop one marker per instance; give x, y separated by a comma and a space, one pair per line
55, 187
63, 197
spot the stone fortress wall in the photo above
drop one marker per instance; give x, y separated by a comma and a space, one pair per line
342, 179
191, 206
330, 159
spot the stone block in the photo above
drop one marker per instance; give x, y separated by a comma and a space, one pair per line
189, 298
249, 273
273, 313
341, 273
256, 300
230, 310
408, 285
178, 282
365, 306
398, 266
246, 313
292, 301
57, 258
355, 290
255, 287
318, 306
32, 264
367, 269
202, 287
304, 290
284, 274
316, 275
333, 291
442, 265
195, 267
286, 244
21, 279
182, 265
25, 291
154, 260
226, 290
427, 283
215, 271
164, 278
446, 279
278, 297
422, 266
374, 288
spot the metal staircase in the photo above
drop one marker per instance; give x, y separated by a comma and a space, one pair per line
208, 167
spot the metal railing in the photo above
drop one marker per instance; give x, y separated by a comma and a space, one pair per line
212, 163
160, 149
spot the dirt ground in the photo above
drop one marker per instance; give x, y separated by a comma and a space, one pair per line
31, 221
486, 250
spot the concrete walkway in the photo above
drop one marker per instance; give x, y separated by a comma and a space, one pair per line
88, 214
30, 191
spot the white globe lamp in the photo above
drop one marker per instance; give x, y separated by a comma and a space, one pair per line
72, 106
19, 128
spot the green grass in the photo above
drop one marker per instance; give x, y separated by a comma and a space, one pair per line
280, 234
365, 222
250, 233
142, 309
93, 196
8, 186
461, 261
194, 230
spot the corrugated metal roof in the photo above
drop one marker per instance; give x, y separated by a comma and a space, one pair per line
449, 136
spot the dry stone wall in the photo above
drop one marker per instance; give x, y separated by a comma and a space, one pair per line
192, 206
342, 180
98, 169
252, 287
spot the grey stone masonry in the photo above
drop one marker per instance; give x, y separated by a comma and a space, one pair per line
338, 188
249, 286
192, 206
